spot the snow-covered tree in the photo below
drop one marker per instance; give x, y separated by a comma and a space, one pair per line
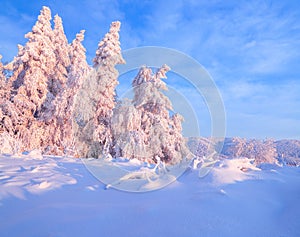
108, 55
96, 98
78, 72
10, 117
63, 104
127, 133
31, 69
33, 65
59, 76
57, 79
146, 130
154, 107
79, 68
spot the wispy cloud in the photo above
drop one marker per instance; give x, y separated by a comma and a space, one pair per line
264, 110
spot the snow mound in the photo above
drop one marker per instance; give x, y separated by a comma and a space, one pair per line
233, 170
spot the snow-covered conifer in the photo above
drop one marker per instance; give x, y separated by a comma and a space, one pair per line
108, 55
96, 98
57, 79
10, 117
63, 104
31, 69
156, 132
34, 63
59, 76
126, 130
109, 50
79, 68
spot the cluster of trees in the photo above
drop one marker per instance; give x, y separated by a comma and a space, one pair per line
37, 99
285, 152
288, 152
54, 101
262, 151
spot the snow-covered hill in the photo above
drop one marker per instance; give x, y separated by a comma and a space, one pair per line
55, 196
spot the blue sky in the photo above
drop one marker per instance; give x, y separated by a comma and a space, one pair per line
250, 48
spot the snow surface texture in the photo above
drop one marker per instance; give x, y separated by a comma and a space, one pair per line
57, 196
134, 175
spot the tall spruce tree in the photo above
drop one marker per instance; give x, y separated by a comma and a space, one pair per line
59, 77
96, 98
35, 61
64, 102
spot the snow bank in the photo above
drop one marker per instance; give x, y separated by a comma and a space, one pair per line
58, 197
32, 173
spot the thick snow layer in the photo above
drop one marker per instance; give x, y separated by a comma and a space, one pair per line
58, 196
134, 175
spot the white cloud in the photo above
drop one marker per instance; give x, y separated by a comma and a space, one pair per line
265, 110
